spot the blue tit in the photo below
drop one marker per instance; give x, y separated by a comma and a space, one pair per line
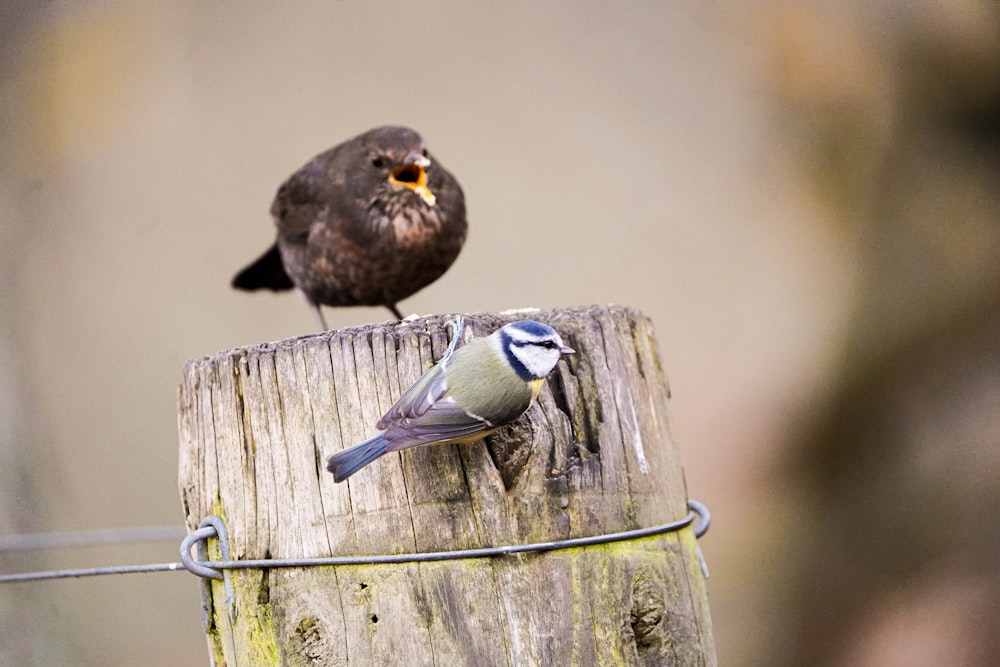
467, 395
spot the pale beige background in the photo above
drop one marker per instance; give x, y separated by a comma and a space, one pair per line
661, 155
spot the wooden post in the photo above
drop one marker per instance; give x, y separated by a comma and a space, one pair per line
595, 455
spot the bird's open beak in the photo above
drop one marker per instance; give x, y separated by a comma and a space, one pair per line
412, 174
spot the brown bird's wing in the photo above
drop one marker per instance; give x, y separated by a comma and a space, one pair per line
299, 204
304, 199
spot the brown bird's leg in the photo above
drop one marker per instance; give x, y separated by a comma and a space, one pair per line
395, 310
318, 309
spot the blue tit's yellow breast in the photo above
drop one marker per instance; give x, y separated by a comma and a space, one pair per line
536, 387
484, 384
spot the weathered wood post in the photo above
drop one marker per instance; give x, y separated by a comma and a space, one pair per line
595, 456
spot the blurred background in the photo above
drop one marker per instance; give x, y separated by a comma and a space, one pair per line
805, 198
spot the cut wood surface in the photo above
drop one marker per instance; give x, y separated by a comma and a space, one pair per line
594, 455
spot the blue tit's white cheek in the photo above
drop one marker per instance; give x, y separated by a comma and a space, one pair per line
537, 359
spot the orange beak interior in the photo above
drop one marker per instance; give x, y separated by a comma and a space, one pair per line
414, 177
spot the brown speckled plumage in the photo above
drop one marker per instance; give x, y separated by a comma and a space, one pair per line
354, 228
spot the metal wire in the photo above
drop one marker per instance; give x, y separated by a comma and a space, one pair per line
212, 527
90, 572
482, 552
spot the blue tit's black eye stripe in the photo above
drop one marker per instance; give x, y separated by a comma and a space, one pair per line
547, 344
508, 343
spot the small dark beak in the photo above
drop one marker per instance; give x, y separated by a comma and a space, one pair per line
418, 159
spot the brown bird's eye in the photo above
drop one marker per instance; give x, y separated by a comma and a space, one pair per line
378, 162
425, 152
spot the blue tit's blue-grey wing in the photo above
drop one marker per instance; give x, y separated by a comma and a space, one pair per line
419, 398
443, 421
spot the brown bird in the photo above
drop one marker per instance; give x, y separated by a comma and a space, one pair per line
367, 223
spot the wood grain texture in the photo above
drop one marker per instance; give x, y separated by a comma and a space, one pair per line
595, 455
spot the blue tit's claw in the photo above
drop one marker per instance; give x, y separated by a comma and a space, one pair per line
457, 326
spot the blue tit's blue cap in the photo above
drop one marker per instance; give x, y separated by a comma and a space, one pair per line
533, 328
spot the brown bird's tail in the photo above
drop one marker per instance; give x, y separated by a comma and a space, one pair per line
266, 273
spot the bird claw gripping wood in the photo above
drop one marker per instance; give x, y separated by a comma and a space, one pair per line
457, 327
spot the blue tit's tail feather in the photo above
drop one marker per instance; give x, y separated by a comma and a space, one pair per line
346, 463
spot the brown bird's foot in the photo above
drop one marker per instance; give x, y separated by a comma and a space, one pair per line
318, 310
395, 311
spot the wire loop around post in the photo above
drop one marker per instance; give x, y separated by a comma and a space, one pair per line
211, 526
704, 517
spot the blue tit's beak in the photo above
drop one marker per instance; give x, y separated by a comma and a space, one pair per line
413, 175
565, 349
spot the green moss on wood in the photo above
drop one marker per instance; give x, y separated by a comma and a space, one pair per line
262, 637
